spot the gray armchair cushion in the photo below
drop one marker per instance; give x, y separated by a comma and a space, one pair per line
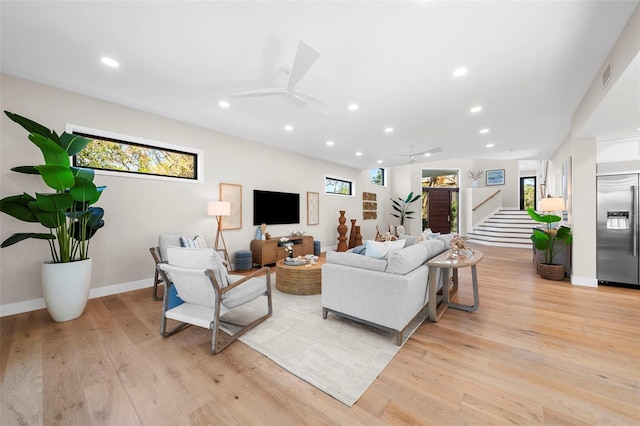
168, 240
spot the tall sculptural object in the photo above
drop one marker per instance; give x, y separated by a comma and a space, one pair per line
358, 238
342, 232
352, 234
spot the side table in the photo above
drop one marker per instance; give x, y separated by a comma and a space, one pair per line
441, 264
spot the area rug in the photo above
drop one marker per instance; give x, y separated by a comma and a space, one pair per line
339, 356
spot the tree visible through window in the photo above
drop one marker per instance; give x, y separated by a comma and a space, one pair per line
377, 177
116, 155
337, 186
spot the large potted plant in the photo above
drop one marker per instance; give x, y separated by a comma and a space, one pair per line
550, 241
67, 215
401, 206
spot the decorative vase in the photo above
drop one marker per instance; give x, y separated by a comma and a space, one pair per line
342, 232
400, 230
65, 288
358, 239
474, 183
551, 272
259, 233
352, 234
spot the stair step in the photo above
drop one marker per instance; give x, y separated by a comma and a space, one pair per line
500, 244
506, 228
499, 238
502, 233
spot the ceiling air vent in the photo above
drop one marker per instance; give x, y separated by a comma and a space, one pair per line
606, 75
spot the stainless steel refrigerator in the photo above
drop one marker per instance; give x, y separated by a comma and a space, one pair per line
617, 229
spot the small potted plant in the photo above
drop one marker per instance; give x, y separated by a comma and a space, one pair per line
475, 176
550, 240
401, 206
67, 215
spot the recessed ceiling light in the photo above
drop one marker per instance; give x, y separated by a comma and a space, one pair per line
110, 62
358, 153
427, 154
475, 109
329, 143
459, 72
223, 104
388, 130
638, 129
484, 131
288, 128
489, 145
353, 107
379, 161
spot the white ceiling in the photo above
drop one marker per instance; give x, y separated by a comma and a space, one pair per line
529, 65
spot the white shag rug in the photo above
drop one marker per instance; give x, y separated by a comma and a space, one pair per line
339, 356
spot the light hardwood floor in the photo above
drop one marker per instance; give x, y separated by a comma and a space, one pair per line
535, 352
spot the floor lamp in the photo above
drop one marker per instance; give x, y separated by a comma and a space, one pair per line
219, 209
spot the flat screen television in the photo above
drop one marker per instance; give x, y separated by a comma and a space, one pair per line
275, 208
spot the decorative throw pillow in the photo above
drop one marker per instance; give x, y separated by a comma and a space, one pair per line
199, 242
393, 246
187, 242
375, 249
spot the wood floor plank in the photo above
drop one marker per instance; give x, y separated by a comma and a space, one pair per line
535, 352
22, 393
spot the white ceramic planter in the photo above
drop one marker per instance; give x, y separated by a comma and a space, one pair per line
65, 287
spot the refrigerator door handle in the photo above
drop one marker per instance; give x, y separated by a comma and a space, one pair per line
634, 220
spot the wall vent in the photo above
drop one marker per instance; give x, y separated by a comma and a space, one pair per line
606, 75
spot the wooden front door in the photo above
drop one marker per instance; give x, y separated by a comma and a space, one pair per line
439, 210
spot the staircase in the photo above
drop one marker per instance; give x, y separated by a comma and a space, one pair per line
506, 228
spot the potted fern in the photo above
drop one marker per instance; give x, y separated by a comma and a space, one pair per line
66, 213
549, 241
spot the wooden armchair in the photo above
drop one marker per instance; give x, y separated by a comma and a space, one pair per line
207, 294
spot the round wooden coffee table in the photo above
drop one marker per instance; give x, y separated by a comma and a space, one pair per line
303, 279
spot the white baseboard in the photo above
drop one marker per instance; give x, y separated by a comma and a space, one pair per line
36, 304
584, 281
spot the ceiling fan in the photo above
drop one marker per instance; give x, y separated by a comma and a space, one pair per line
414, 156
305, 57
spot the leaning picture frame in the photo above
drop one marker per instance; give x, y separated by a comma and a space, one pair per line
495, 177
313, 208
232, 193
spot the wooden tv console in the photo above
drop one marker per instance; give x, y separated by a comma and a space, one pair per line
267, 252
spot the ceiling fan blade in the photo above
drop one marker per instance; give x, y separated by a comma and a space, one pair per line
259, 92
320, 106
306, 56
429, 151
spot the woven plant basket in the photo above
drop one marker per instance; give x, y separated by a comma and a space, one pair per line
551, 272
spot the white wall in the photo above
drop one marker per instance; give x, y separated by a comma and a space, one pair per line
137, 210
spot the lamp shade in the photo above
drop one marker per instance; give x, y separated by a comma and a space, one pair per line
551, 204
219, 208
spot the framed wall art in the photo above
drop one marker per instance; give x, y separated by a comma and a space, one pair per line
232, 193
495, 177
313, 208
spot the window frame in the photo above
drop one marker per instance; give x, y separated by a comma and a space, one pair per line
147, 143
351, 183
384, 177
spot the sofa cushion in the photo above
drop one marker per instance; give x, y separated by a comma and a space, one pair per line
356, 261
382, 249
409, 258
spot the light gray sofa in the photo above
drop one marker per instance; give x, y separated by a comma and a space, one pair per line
387, 293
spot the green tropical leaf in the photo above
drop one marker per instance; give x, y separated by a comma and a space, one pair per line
29, 170
73, 144
408, 200
29, 125
16, 238
54, 154
83, 190
18, 206
57, 177
54, 202
82, 172
50, 219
